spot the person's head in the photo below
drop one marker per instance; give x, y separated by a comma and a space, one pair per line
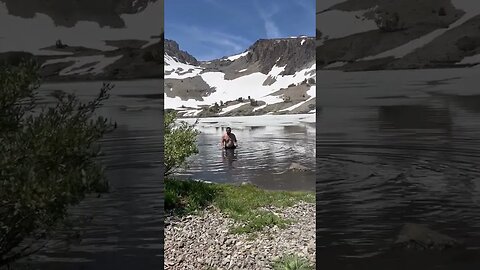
229, 130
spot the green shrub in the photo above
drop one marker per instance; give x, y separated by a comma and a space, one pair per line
180, 143
48, 158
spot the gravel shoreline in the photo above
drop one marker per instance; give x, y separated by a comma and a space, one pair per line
203, 241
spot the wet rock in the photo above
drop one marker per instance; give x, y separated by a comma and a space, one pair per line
420, 237
297, 167
248, 183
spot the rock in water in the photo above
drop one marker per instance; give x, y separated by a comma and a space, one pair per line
420, 237
248, 183
297, 167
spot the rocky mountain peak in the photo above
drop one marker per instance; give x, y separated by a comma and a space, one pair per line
294, 53
173, 50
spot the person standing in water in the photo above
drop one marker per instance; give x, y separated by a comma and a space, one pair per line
229, 141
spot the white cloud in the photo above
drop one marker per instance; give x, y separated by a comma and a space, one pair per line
271, 28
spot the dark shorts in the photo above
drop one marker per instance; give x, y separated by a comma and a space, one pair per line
231, 147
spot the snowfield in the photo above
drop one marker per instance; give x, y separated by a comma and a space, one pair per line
474, 59
335, 65
241, 122
249, 85
237, 56
232, 107
179, 70
471, 9
222, 87
98, 64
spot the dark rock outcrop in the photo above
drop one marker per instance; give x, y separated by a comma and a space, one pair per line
296, 167
289, 52
420, 237
173, 50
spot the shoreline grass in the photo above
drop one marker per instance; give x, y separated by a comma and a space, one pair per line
292, 262
242, 203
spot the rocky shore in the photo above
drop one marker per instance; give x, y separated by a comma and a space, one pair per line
205, 240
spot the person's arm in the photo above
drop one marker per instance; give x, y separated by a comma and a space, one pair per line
222, 142
235, 140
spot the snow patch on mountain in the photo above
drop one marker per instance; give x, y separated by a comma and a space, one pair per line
335, 65
232, 107
237, 56
474, 59
250, 80
471, 9
248, 85
178, 70
95, 64
311, 92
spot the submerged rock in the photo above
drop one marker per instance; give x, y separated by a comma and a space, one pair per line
420, 237
298, 167
248, 183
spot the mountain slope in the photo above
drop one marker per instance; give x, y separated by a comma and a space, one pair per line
271, 76
381, 34
129, 59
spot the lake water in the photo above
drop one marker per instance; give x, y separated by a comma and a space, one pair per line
396, 147
122, 229
267, 146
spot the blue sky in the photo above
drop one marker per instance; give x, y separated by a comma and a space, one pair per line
210, 29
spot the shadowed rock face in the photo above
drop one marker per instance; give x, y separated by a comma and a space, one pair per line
172, 49
287, 50
68, 12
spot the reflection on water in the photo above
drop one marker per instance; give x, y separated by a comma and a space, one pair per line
267, 145
123, 228
395, 147
229, 156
